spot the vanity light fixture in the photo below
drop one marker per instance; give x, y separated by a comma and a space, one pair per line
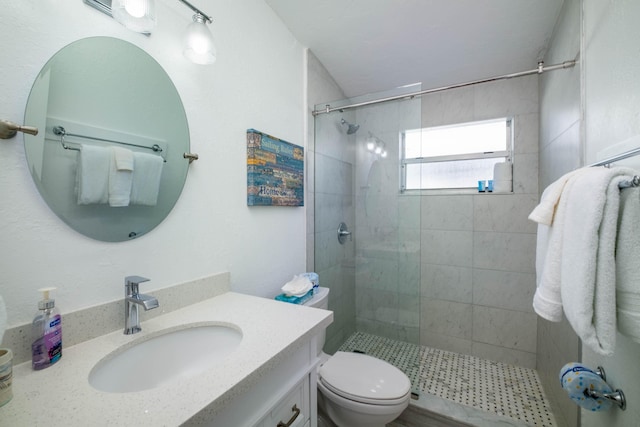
136, 15
140, 16
199, 47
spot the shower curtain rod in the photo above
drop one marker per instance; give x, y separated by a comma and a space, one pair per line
541, 69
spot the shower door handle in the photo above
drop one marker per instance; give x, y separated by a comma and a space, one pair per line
343, 233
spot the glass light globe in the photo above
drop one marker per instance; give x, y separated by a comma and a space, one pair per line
135, 8
198, 41
136, 15
371, 144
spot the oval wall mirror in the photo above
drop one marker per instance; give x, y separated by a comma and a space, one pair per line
93, 95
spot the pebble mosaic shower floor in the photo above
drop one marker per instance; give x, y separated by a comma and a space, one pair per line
499, 388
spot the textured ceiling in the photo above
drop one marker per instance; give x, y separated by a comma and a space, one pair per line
375, 45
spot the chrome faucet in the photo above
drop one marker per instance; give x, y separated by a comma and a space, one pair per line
132, 300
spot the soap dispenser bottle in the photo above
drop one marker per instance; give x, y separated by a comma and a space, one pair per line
47, 333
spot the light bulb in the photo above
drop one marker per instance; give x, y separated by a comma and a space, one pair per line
136, 15
371, 145
378, 149
135, 8
199, 46
383, 154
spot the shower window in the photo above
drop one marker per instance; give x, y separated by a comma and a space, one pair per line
454, 156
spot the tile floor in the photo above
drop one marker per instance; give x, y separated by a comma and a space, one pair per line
507, 391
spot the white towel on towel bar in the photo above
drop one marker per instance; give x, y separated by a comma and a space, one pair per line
545, 211
628, 265
146, 178
547, 300
120, 176
92, 175
578, 254
588, 256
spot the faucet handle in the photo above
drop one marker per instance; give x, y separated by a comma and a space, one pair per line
134, 280
131, 284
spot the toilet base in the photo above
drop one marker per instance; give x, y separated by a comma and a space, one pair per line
345, 413
324, 420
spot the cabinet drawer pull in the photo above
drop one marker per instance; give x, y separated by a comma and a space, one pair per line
293, 418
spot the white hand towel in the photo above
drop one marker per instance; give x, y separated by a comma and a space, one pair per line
588, 264
628, 265
297, 287
545, 211
3, 318
92, 175
120, 176
547, 300
146, 179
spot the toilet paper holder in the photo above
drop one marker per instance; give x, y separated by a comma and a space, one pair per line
616, 397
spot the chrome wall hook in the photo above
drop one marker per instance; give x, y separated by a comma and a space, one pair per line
616, 397
191, 157
9, 129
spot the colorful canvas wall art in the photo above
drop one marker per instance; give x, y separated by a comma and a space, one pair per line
275, 171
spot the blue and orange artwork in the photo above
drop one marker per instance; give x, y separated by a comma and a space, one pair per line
275, 171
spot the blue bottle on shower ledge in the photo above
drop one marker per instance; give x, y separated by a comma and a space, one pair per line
46, 348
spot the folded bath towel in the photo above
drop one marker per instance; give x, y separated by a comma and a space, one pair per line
92, 175
628, 265
588, 268
146, 179
295, 300
120, 176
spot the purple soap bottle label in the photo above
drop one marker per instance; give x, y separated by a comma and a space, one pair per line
47, 349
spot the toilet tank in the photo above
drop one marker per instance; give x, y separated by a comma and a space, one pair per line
320, 299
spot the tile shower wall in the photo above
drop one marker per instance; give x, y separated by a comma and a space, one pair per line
560, 152
329, 202
478, 250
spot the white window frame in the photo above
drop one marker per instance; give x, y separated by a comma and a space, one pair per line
506, 154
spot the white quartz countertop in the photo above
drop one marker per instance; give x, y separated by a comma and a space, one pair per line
62, 396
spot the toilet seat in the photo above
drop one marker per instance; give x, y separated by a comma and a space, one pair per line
364, 379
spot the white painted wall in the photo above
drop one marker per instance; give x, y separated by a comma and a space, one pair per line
256, 83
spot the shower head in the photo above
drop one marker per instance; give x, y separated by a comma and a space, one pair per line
352, 128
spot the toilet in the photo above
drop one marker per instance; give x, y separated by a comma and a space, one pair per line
356, 390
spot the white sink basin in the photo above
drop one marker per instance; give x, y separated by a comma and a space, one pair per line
176, 353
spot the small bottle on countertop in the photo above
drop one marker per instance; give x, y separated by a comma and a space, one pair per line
46, 348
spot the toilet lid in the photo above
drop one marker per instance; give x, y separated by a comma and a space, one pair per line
364, 378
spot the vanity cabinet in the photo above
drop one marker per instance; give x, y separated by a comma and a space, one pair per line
285, 395
292, 410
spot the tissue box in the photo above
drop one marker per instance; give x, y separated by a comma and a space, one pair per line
295, 300
313, 278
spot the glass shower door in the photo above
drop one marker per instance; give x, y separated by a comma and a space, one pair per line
376, 274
